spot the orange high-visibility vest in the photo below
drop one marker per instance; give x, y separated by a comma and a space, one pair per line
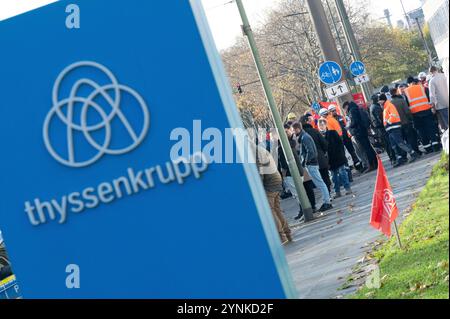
417, 98
391, 116
333, 125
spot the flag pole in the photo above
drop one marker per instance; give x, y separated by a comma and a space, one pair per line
397, 235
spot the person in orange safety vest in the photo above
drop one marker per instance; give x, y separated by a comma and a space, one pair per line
333, 124
424, 121
393, 125
346, 136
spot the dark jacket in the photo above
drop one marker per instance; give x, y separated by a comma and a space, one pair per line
283, 162
321, 145
376, 116
342, 123
308, 150
403, 109
336, 150
357, 127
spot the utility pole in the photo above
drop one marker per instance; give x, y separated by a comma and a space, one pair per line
326, 40
425, 43
406, 15
367, 88
339, 38
388, 15
293, 168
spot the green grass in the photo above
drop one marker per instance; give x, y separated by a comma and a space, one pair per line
421, 269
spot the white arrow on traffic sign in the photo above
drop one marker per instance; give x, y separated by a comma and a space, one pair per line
362, 79
337, 90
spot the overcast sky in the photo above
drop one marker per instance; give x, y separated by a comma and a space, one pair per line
223, 16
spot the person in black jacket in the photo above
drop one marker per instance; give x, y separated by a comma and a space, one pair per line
346, 137
286, 173
337, 158
322, 147
376, 117
359, 130
311, 163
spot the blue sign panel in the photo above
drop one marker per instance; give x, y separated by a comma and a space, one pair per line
330, 72
358, 68
316, 107
93, 205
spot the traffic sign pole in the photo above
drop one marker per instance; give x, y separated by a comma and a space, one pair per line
325, 39
367, 88
304, 201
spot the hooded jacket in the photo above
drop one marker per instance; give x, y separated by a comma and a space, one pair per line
336, 150
308, 150
321, 145
356, 127
376, 115
283, 162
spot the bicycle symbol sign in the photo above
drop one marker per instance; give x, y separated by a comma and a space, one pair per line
330, 72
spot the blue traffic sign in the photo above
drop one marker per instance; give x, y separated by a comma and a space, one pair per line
330, 72
316, 107
357, 68
94, 201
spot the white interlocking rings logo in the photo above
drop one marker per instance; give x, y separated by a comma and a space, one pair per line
68, 105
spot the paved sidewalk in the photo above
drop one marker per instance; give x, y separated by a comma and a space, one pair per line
325, 251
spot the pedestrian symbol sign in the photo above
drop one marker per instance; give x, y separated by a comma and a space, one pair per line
330, 73
358, 68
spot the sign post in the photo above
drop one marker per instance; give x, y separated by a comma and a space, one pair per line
358, 70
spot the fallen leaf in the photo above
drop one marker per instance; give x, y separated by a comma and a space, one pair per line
443, 264
370, 294
423, 287
414, 287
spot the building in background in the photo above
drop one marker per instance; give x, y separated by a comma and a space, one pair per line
436, 15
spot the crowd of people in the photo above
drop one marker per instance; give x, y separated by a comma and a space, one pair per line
405, 121
5, 267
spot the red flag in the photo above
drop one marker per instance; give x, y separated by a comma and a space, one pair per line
384, 207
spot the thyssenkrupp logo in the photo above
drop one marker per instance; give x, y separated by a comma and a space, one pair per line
75, 112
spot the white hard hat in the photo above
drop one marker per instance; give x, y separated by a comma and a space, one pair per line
332, 108
422, 75
323, 112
